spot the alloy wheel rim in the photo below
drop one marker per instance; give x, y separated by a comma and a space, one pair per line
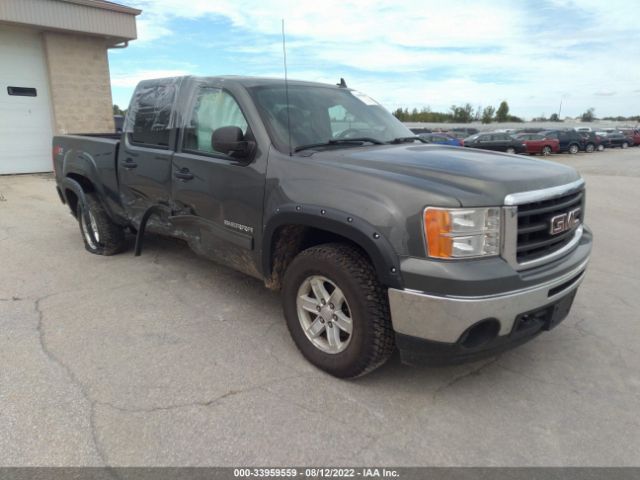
324, 314
93, 225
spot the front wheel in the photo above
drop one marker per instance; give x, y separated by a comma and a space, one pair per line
100, 234
511, 150
546, 150
590, 148
625, 145
336, 310
573, 149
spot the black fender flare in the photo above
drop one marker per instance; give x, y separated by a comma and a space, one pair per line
69, 183
76, 188
385, 259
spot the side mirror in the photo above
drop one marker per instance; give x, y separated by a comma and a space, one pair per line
230, 141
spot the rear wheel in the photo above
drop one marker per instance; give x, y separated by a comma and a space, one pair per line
573, 149
100, 234
336, 310
590, 148
600, 148
546, 150
511, 150
625, 145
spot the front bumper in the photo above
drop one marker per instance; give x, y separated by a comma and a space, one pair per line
440, 329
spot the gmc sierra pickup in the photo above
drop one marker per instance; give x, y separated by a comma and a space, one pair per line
375, 240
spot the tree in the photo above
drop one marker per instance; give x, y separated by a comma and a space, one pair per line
588, 116
462, 114
554, 118
478, 115
487, 114
118, 111
502, 113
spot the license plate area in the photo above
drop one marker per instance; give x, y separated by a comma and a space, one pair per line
560, 310
544, 318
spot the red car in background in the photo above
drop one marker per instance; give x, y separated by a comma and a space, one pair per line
632, 134
538, 143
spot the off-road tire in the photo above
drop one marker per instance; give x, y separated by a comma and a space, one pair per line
372, 340
111, 236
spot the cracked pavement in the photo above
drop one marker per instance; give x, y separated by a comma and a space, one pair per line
169, 359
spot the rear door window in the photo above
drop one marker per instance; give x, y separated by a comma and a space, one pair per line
150, 114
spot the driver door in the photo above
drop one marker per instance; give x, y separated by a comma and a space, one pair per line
218, 199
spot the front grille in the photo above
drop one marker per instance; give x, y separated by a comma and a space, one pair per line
534, 221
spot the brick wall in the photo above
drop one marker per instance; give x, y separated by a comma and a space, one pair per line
79, 81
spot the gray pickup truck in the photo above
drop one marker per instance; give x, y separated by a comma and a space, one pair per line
375, 240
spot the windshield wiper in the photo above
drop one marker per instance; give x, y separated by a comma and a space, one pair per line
407, 139
340, 141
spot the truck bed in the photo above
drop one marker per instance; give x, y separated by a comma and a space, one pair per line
93, 156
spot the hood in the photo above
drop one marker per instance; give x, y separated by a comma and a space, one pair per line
473, 177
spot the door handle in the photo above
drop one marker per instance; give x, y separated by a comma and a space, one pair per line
183, 174
129, 163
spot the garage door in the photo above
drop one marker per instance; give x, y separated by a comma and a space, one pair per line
25, 107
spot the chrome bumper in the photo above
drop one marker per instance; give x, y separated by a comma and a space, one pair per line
446, 318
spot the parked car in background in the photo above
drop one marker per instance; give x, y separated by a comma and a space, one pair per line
500, 142
618, 139
570, 140
458, 135
537, 143
465, 130
592, 142
441, 138
530, 130
418, 131
633, 134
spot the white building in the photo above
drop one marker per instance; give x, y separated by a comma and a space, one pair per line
54, 74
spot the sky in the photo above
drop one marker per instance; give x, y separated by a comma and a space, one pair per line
532, 53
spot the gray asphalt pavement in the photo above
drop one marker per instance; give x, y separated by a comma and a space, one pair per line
169, 359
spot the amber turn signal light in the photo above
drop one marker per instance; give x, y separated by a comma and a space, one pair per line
437, 226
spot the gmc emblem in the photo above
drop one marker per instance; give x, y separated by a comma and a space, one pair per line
566, 221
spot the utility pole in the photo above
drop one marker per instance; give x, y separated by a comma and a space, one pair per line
560, 109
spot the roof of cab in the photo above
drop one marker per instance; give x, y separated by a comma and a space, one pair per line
242, 80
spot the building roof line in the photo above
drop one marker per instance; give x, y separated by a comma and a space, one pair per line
105, 5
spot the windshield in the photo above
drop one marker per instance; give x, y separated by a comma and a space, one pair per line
319, 115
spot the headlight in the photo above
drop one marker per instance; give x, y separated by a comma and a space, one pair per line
462, 232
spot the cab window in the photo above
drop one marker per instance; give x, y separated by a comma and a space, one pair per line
214, 108
149, 117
